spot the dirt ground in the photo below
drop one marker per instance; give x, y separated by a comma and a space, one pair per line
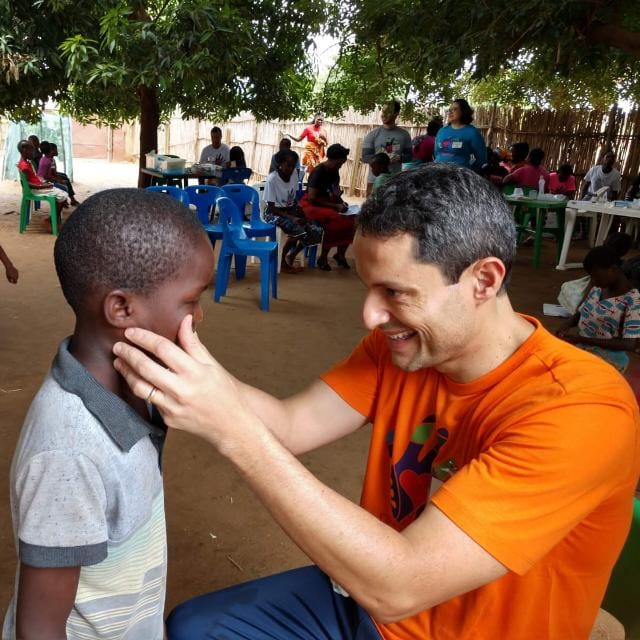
219, 533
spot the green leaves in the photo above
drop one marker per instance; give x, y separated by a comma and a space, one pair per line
528, 52
209, 58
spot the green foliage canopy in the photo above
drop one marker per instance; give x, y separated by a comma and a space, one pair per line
559, 53
208, 58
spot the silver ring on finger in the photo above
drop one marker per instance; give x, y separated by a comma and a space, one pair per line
153, 390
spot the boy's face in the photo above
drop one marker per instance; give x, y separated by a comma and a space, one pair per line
285, 169
376, 168
163, 310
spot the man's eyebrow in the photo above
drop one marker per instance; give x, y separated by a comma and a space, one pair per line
388, 284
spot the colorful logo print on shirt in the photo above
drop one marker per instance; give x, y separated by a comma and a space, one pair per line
411, 474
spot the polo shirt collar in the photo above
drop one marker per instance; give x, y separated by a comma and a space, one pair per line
119, 420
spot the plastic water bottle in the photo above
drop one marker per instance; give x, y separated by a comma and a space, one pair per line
540, 185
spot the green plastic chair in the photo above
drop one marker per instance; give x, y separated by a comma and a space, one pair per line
28, 196
621, 598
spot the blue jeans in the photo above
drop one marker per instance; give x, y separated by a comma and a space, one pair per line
294, 605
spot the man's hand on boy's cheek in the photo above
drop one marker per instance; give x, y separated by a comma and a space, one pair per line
194, 394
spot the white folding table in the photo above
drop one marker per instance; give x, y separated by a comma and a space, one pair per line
586, 209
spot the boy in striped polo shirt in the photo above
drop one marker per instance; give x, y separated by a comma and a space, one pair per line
86, 479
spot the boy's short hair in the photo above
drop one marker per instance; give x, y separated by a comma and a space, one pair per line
127, 239
216, 130
601, 257
619, 242
337, 152
382, 159
45, 147
284, 154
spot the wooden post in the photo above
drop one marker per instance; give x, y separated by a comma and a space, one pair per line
109, 144
167, 138
491, 122
197, 142
356, 166
611, 127
255, 143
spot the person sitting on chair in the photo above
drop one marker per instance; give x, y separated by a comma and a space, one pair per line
37, 153
563, 181
283, 210
602, 175
530, 174
285, 143
47, 170
323, 203
37, 184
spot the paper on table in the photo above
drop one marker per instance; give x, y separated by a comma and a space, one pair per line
555, 310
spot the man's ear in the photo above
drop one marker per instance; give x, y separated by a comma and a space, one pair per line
119, 308
488, 275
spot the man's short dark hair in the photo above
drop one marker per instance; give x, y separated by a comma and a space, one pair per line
433, 127
45, 147
456, 217
337, 152
22, 144
519, 151
127, 239
536, 156
395, 104
382, 159
566, 169
466, 112
216, 130
285, 154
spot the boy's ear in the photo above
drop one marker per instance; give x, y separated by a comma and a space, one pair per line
119, 308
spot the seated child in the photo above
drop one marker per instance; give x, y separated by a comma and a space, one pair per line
563, 181
236, 158
283, 210
380, 169
608, 320
36, 183
86, 479
48, 170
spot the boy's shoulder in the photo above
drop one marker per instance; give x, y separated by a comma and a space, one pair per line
74, 414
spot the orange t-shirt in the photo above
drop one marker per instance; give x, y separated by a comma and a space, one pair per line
539, 460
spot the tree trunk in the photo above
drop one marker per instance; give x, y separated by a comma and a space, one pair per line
149, 123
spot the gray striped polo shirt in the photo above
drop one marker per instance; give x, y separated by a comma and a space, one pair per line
86, 490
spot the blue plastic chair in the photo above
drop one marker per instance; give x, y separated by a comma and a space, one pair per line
235, 175
173, 192
255, 227
204, 198
236, 244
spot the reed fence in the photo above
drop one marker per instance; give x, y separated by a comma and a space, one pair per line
577, 137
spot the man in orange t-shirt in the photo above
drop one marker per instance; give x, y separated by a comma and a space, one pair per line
502, 465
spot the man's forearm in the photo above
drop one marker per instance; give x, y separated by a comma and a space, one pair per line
271, 410
348, 543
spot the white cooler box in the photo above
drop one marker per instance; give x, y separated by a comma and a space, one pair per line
170, 165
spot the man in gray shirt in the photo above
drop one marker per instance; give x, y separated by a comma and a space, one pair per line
389, 139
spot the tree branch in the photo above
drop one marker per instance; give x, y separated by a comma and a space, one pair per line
614, 36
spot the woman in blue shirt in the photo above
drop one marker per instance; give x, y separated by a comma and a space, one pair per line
460, 142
